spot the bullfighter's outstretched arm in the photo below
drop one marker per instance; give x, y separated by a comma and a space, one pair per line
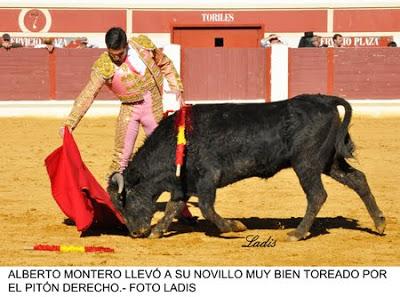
168, 70
85, 99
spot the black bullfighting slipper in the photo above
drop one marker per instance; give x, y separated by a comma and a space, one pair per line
188, 221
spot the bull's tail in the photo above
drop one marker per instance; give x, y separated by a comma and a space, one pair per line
344, 146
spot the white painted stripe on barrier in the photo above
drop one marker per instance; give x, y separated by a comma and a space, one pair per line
170, 102
329, 22
279, 72
60, 109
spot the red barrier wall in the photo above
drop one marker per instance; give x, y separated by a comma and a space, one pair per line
367, 73
213, 73
307, 71
73, 70
354, 73
34, 74
24, 74
224, 73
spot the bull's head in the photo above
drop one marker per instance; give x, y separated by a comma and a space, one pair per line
138, 213
134, 207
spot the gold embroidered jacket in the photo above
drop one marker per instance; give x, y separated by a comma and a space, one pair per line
158, 64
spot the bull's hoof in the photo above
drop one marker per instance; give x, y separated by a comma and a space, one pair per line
155, 234
232, 226
294, 236
380, 225
237, 226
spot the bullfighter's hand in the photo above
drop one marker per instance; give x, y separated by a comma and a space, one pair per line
179, 97
61, 131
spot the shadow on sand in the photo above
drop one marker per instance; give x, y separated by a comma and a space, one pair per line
321, 226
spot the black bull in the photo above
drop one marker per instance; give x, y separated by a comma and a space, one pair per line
230, 142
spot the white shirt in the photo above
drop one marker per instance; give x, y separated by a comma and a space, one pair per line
136, 61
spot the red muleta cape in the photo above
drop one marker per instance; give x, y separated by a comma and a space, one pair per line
75, 189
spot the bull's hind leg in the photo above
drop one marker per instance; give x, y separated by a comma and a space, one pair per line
206, 204
316, 196
356, 180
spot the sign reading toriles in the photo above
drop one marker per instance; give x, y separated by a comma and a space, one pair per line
218, 17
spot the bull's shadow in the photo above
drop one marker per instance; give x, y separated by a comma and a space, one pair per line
321, 226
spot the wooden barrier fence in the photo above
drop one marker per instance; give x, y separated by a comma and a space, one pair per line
214, 74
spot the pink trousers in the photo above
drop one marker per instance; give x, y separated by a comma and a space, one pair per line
130, 118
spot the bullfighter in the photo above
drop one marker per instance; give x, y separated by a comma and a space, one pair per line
134, 70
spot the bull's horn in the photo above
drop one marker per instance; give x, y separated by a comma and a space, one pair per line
118, 178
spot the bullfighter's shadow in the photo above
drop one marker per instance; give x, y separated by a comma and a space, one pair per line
97, 229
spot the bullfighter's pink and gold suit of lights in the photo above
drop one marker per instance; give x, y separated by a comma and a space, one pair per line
138, 84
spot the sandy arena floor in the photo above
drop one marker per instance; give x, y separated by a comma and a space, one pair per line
342, 235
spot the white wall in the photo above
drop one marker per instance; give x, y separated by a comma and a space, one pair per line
199, 4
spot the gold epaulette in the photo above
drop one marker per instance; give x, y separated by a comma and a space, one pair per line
143, 41
104, 66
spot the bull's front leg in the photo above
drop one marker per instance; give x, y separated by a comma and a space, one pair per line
173, 209
206, 204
